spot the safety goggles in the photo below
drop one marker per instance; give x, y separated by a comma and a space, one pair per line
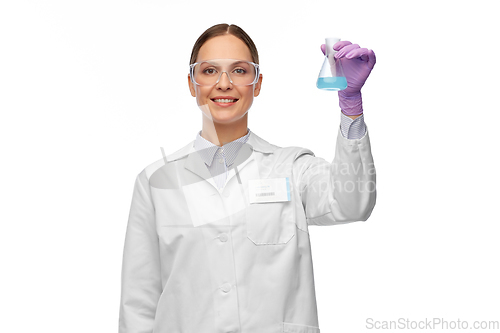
209, 72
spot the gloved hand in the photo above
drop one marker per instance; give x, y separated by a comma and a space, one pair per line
358, 64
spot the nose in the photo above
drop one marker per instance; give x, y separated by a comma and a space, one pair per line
224, 82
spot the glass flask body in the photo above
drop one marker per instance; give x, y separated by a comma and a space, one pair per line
331, 77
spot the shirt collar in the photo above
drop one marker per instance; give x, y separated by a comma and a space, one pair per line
208, 150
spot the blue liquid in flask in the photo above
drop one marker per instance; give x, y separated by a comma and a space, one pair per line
332, 83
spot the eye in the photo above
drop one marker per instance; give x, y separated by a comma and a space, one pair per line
240, 71
209, 71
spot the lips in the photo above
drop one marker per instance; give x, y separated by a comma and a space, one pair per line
224, 99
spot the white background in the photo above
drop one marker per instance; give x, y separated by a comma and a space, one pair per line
89, 91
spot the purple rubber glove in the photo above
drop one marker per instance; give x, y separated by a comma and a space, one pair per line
358, 64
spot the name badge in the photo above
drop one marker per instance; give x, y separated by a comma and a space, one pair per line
269, 190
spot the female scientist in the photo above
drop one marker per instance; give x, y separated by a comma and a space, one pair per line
217, 237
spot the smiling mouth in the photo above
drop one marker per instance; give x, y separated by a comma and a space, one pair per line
223, 100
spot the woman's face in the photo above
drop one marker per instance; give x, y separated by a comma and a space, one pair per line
225, 47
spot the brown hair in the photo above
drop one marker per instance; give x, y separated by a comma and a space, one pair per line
224, 29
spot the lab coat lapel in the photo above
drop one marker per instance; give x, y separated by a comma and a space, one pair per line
199, 190
247, 156
192, 167
195, 164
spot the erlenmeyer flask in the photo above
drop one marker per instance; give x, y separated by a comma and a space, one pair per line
331, 77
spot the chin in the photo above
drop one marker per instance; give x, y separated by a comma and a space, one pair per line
225, 117
225, 120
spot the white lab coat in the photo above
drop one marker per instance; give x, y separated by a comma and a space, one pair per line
201, 260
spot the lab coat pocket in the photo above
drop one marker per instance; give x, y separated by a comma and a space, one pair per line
294, 328
270, 223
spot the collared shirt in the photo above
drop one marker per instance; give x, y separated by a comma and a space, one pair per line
219, 159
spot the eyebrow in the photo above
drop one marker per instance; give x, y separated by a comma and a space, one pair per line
212, 63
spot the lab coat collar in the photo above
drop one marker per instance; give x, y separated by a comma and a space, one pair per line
246, 154
254, 141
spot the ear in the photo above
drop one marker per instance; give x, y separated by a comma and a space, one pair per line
256, 90
191, 86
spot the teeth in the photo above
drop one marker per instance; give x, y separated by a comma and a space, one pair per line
224, 100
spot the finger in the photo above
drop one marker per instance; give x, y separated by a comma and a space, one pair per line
357, 53
371, 58
346, 49
337, 46
364, 54
323, 48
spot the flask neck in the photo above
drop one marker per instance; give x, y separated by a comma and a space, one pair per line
329, 42
330, 52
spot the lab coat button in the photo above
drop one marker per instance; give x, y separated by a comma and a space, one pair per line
223, 237
226, 287
221, 160
226, 194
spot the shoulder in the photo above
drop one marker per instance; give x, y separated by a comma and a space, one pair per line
294, 152
282, 153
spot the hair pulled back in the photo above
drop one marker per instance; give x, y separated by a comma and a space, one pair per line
220, 30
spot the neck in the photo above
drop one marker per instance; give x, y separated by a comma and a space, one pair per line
220, 134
